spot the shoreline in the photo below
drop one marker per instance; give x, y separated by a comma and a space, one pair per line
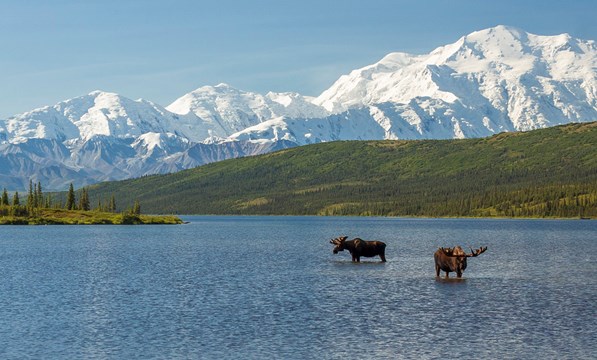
77, 217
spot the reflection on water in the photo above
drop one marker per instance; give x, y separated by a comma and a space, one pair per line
450, 281
270, 287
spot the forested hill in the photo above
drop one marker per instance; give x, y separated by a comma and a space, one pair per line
543, 173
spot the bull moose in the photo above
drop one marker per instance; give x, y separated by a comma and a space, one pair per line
453, 259
358, 247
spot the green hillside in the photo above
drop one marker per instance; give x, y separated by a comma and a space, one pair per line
543, 173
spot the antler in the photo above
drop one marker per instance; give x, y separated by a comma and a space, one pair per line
450, 252
477, 252
338, 240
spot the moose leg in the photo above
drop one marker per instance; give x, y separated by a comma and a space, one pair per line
382, 256
437, 270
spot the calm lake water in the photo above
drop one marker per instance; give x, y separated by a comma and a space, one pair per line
270, 288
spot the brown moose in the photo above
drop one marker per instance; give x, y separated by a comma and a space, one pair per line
453, 259
358, 247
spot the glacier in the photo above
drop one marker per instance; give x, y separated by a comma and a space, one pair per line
490, 81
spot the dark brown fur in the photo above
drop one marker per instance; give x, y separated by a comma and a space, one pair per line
453, 260
358, 247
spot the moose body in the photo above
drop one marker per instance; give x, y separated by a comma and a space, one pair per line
359, 247
453, 260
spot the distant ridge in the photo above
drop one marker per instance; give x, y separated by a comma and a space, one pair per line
490, 81
541, 173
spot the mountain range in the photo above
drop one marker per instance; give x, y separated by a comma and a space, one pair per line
500, 79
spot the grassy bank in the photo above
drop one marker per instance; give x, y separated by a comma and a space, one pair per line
75, 217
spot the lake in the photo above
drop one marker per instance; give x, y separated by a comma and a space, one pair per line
270, 288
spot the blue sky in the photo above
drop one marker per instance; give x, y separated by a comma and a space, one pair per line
52, 50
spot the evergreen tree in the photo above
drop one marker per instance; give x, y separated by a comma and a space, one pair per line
15, 199
136, 208
40, 196
35, 197
112, 206
4, 200
84, 200
70, 198
30, 196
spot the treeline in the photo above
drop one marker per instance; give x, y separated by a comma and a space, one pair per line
36, 200
556, 201
542, 173
458, 195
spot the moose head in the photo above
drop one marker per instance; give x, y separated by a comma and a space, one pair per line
454, 259
338, 243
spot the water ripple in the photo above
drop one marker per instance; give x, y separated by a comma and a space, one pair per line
201, 291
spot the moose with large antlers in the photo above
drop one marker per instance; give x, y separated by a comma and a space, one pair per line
358, 247
453, 259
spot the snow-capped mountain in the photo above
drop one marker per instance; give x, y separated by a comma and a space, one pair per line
494, 80
98, 113
105, 136
224, 110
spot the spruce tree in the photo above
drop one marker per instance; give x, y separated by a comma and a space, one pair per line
112, 206
70, 198
4, 197
35, 202
30, 195
40, 196
15, 199
84, 200
137, 208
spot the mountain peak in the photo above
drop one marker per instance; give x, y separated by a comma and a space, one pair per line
509, 39
498, 31
102, 94
496, 54
499, 37
223, 86
211, 88
97, 93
